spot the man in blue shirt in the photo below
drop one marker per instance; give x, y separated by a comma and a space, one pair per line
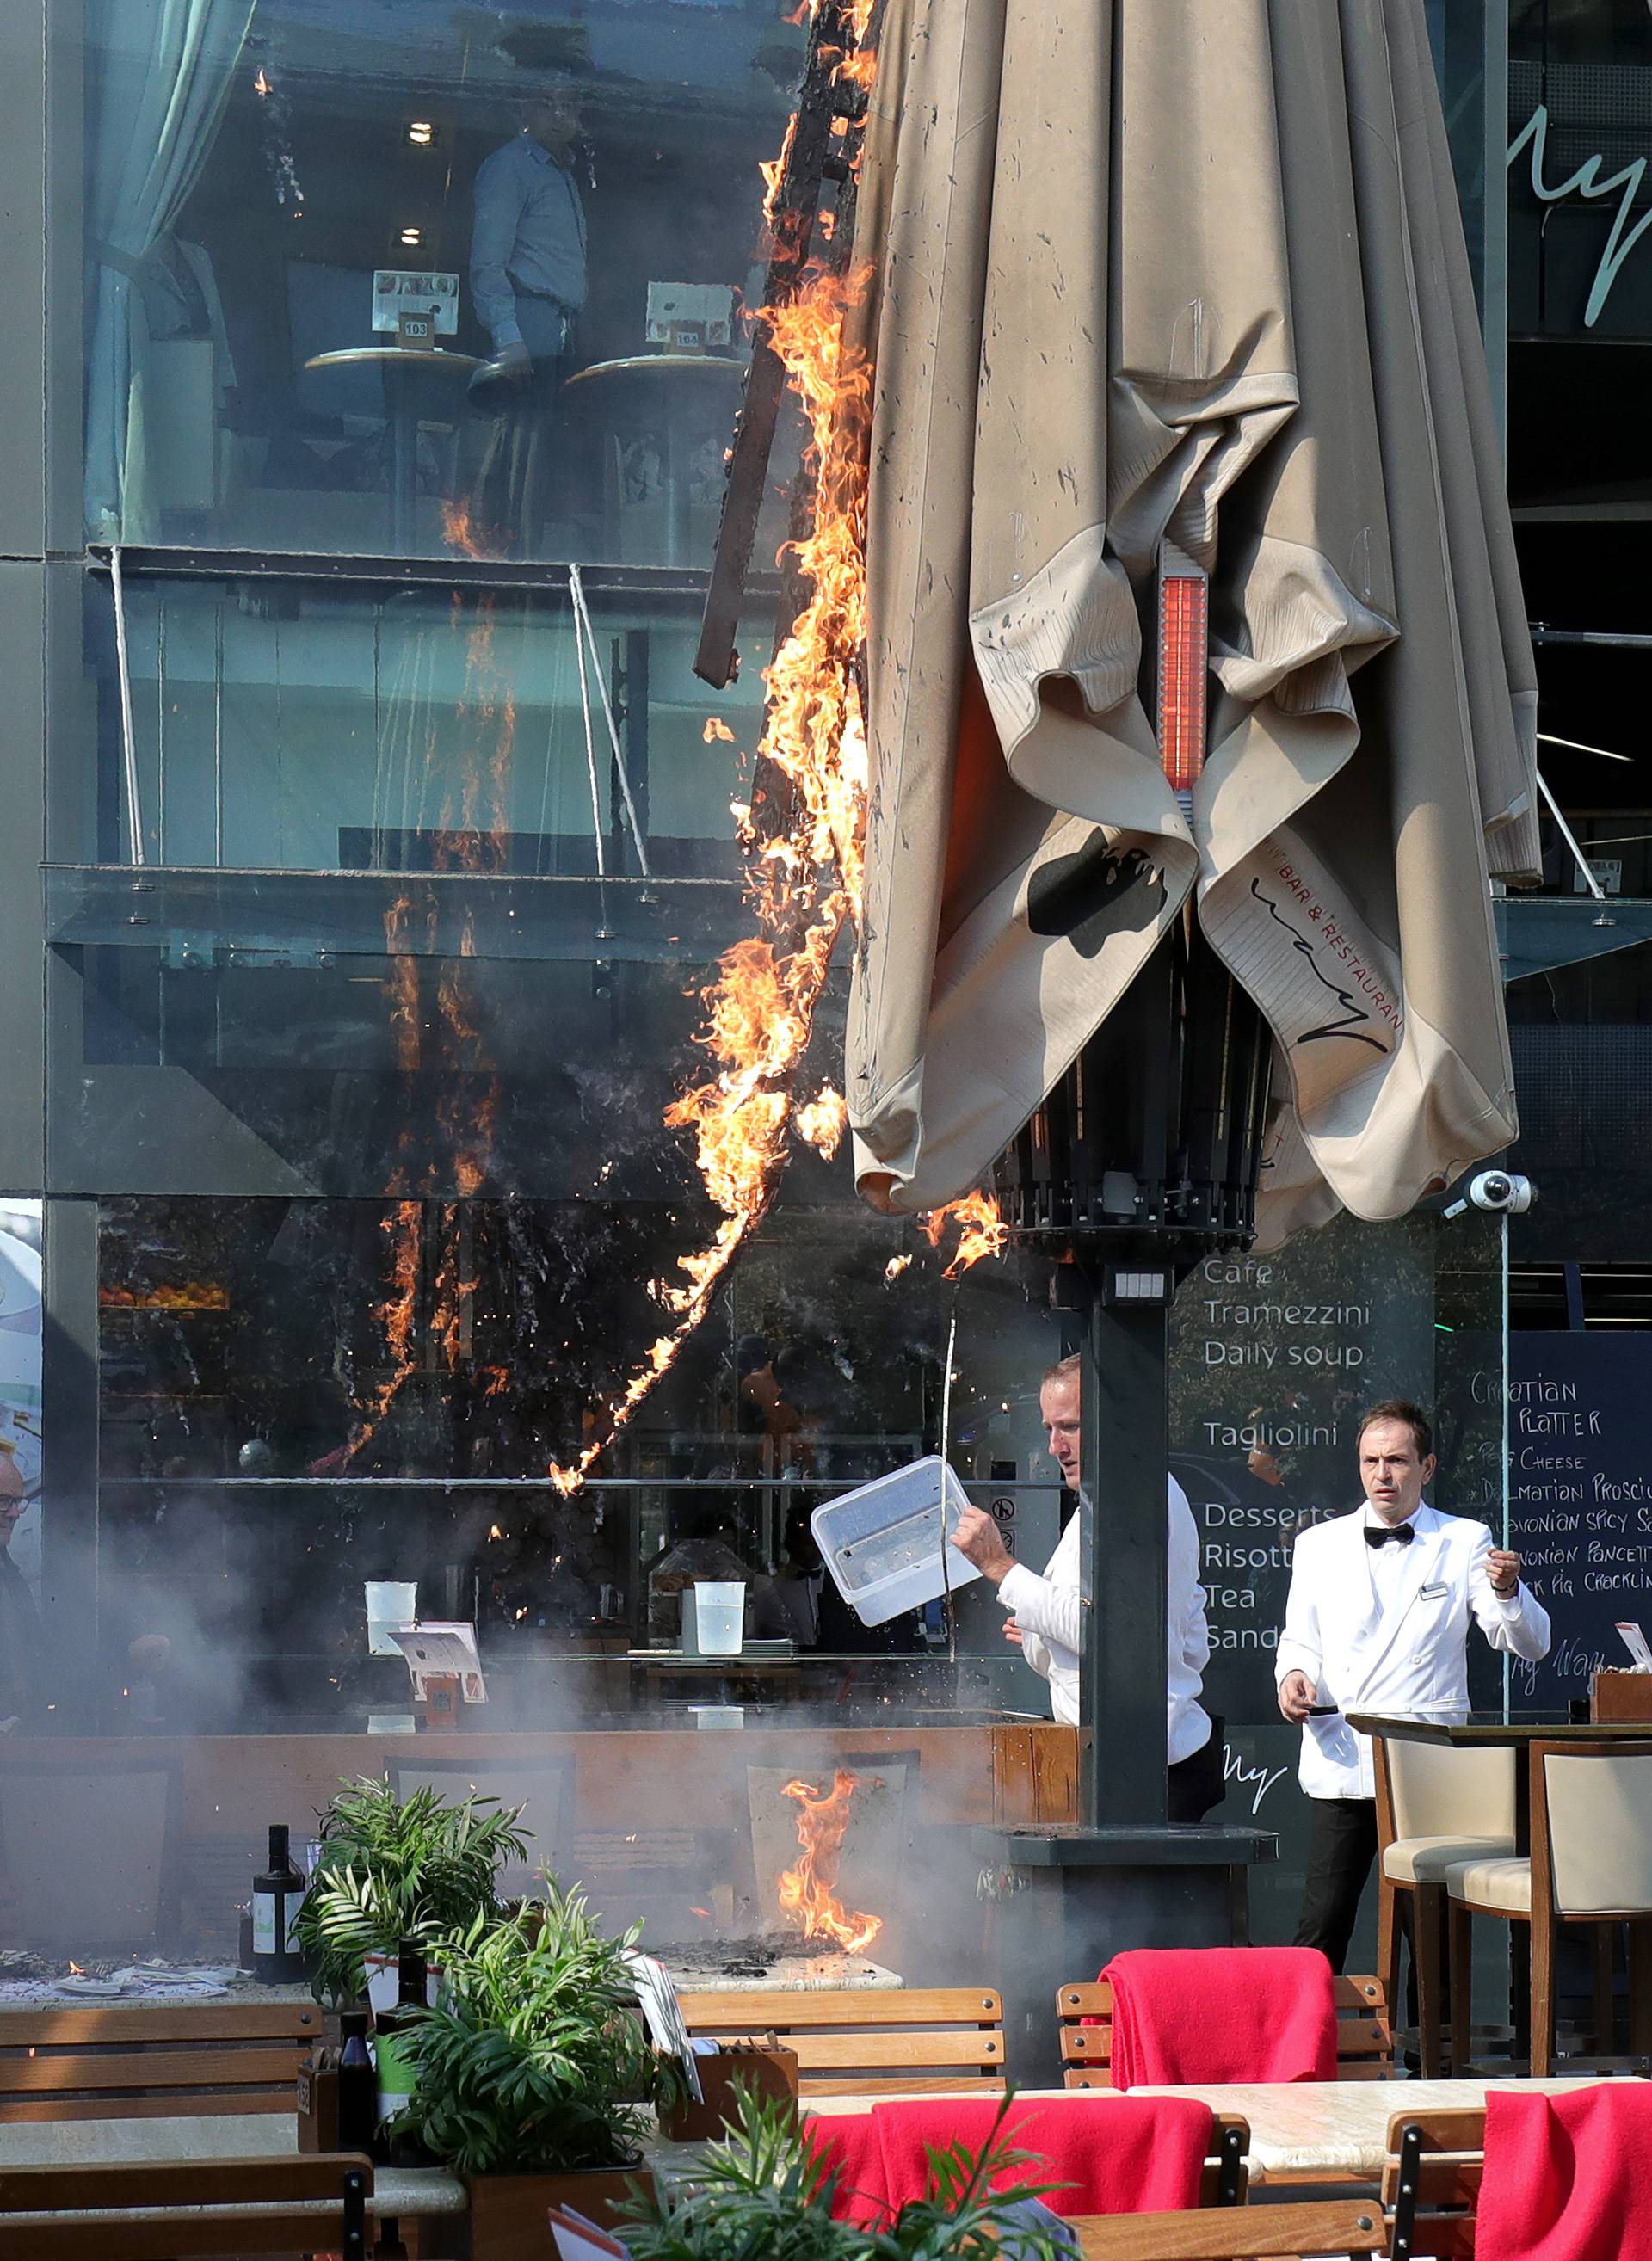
528, 280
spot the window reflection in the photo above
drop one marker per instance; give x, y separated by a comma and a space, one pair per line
292, 726
391, 279
296, 1397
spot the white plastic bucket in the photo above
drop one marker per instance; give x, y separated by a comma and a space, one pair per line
392, 1605
720, 1616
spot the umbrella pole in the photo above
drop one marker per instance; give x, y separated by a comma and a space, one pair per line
1124, 1449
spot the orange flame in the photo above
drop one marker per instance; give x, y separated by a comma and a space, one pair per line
895, 1267
806, 877
807, 1892
716, 729
824, 1121
981, 1231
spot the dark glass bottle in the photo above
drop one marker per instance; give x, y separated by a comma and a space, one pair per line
358, 2084
277, 1896
395, 2068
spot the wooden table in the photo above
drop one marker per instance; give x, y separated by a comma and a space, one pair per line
1301, 2131
399, 2193
1504, 1734
1517, 1735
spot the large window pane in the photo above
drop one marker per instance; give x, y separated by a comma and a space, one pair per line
273, 185
301, 727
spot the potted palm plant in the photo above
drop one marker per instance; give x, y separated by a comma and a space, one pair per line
762, 2192
417, 1868
529, 2073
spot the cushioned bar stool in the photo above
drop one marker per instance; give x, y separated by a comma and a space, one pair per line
1435, 1807
1591, 1863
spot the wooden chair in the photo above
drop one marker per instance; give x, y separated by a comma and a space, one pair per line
871, 2040
144, 2060
1434, 1807
1252, 2233
1365, 2039
1591, 1863
1430, 2182
167, 2209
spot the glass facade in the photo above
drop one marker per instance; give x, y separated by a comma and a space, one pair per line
389, 848
564, 205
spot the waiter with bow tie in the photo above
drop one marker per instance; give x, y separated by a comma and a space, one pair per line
1378, 1620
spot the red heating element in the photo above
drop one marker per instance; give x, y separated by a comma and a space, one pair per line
1183, 666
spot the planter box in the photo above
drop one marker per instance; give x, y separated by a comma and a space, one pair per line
765, 2073
506, 2220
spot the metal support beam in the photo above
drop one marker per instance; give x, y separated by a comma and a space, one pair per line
1125, 1446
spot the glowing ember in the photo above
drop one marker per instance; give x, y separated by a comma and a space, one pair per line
75, 1970
824, 1121
261, 86
807, 1892
981, 1231
193, 1295
716, 730
704, 1913
895, 1266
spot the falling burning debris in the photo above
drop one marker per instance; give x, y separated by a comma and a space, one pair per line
824, 1121
807, 1892
895, 1267
716, 731
804, 856
981, 1231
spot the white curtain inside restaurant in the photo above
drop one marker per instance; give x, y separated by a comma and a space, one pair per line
164, 73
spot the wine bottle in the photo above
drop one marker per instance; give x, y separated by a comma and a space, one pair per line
277, 1896
395, 2067
358, 2084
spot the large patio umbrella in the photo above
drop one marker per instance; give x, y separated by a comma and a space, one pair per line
1186, 273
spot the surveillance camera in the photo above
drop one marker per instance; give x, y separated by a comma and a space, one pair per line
1501, 1189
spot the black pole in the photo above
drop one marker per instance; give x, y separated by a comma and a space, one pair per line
1124, 1450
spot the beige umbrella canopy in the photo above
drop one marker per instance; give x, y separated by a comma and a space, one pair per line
1184, 272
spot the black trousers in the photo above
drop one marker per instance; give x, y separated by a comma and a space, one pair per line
1341, 1851
1195, 1783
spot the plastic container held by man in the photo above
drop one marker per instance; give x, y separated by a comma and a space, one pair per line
883, 1544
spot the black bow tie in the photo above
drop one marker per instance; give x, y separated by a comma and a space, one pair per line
1401, 1534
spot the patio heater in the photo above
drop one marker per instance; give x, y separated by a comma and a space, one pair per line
1140, 1164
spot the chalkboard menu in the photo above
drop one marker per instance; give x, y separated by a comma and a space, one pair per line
1272, 1360
1580, 1497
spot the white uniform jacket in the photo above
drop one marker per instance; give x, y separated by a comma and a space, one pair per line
1049, 1612
1409, 1660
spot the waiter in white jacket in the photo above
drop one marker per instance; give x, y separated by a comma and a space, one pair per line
1378, 1620
1048, 1611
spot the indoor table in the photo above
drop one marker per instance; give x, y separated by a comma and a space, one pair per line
420, 381
683, 399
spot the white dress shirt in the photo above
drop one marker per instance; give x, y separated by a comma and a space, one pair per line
1385, 1630
1050, 1611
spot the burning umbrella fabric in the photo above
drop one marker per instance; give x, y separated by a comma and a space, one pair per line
1169, 285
